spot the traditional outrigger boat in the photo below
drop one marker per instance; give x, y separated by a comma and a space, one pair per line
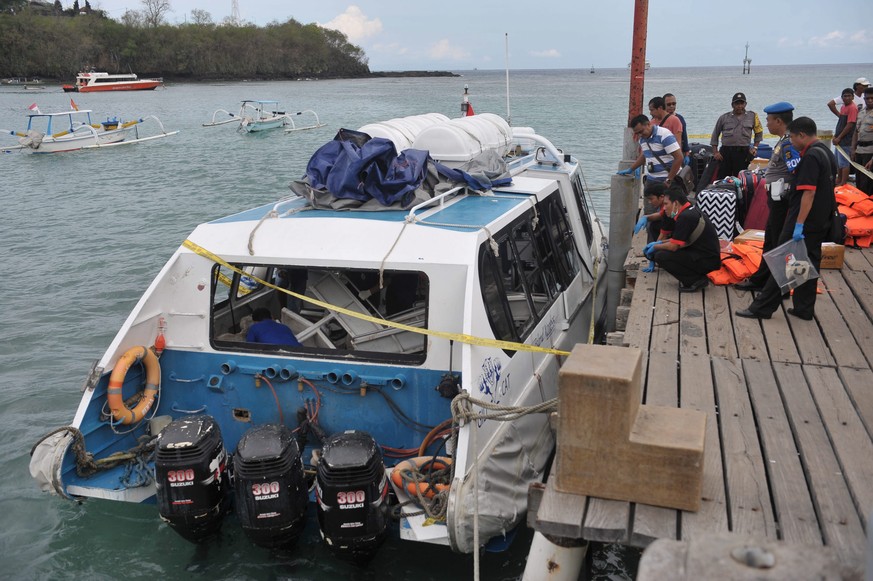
261, 115
73, 130
93, 82
416, 330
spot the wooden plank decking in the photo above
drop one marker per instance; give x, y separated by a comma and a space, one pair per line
789, 404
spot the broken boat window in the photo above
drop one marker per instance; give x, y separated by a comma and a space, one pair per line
323, 332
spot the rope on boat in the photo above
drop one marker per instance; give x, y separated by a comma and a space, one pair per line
86, 465
435, 508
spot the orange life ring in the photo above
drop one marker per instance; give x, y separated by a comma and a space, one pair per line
402, 475
120, 412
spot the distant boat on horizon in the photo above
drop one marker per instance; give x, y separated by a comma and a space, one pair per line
592, 70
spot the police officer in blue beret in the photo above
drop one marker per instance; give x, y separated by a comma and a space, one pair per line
779, 178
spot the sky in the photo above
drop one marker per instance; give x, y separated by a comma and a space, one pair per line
556, 34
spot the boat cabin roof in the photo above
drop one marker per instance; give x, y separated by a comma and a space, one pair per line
444, 230
61, 114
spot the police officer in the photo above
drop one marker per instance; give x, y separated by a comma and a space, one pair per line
810, 211
737, 128
779, 178
693, 250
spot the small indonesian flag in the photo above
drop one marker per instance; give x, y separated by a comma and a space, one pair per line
73, 105
34, 108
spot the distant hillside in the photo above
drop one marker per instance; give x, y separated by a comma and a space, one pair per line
57, 45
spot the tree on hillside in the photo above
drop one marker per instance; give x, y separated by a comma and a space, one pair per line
12, 6
57, 8
132, 19
75, 8
154, 11
201, 17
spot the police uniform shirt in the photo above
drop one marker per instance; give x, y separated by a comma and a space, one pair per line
736, 131
783, 162
815, 172
686, 222
865, 132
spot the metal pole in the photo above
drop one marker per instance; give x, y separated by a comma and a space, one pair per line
638, 58
625, 191
508, 113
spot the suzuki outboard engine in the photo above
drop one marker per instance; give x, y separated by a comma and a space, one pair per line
191, 477
270, 487
352, 493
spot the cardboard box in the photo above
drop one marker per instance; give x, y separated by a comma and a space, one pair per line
832, 255
750, 236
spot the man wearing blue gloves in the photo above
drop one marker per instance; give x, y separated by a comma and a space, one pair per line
811, 205
692, 251
659, 151
657, 219
779, 180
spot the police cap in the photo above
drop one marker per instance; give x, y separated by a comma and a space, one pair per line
738, 97
780, 107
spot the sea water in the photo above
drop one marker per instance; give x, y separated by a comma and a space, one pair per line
85, 232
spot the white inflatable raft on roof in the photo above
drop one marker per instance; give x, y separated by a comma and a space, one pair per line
402, 131
460, 140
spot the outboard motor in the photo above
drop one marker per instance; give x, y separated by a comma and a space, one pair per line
352, 493
270, 487
191, 477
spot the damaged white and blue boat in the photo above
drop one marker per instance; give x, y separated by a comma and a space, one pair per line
349, 345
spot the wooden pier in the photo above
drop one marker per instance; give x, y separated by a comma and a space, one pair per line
789, 405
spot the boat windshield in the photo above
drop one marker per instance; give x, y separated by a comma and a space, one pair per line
238, 302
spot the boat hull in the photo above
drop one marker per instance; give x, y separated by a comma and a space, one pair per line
263, 125
133, 86
74, 142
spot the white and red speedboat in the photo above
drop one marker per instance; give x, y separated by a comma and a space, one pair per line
93, 81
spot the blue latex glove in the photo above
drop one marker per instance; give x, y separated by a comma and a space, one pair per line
649, 250
626, 172
687, 160
651, 267
798, 232
641, 223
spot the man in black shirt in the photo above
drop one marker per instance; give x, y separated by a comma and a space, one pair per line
693, 250
811, 205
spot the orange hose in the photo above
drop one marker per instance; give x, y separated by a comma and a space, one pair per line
276, 397
432, 434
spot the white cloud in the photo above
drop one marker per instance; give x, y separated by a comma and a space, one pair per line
445, 50
786, 42
550, 53
355, 24
832, 38
861, 37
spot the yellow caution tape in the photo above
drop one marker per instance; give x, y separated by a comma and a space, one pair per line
459, 337
857, 166
708, 135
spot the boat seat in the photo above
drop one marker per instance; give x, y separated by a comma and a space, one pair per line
363, 334
244, 325
308, 333
389, 338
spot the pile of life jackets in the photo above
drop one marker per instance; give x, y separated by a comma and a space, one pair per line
858, 208
739, 261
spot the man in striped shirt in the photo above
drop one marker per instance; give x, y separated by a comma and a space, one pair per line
659, 151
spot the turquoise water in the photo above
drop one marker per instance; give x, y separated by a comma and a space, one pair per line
84, 234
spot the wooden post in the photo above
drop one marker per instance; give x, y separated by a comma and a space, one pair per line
611, 446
